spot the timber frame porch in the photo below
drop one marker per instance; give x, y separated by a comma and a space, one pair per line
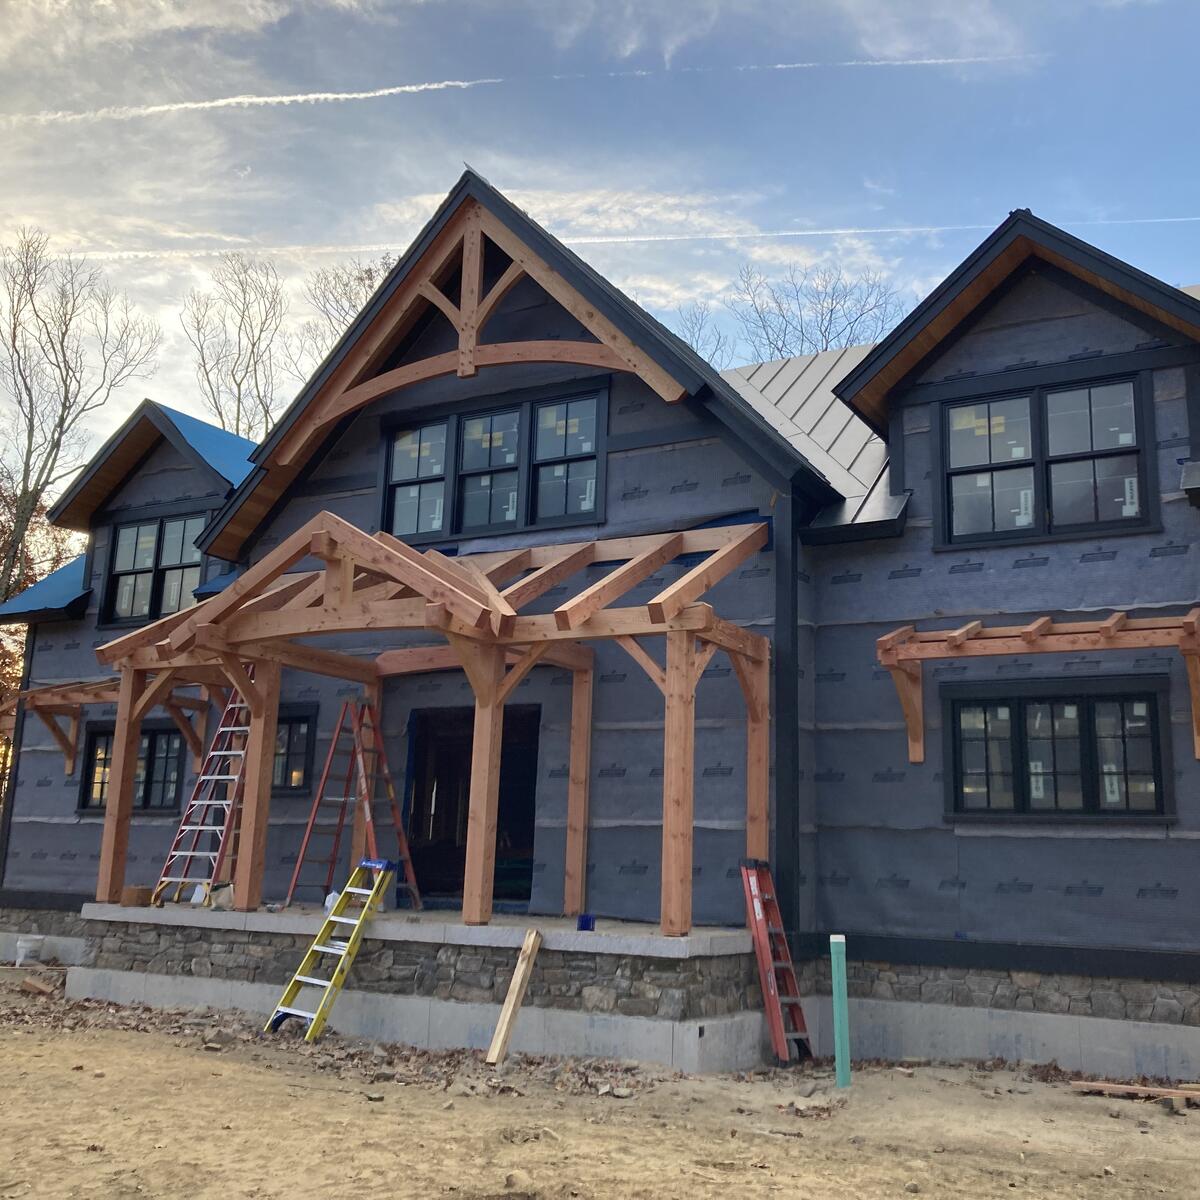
475, 602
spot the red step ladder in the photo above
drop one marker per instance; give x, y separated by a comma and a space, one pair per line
776, 975
205, 847
366, 764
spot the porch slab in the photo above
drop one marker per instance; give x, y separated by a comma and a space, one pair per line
504, 932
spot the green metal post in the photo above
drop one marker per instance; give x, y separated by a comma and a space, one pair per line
841, 1015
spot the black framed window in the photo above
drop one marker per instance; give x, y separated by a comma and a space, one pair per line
155, 567
292, 768
1058, 751
537, 462
158, 777
1052, 460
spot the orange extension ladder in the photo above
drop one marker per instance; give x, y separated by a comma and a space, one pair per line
366, 764
776, 974
205, 844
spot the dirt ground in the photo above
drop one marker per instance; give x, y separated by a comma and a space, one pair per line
107, 1102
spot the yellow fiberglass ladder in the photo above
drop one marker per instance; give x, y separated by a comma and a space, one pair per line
336, 947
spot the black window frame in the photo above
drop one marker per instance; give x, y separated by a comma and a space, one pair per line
1155, 689
526, 403
157, 572
1043, 529
293, 714
155, 730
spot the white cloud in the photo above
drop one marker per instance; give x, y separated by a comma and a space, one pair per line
908, 29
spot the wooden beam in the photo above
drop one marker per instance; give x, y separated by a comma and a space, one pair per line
755, 680
251, 691
513, 274
154, 694
1113, 625
66, 741
513, 999
641, 656
624, 622
257, 768
472, 276
704, 653
679, 769
890, 640
907, 678
520, 669
960, 635
505, 613
737, 640
480, 868
550, 574
691, 586
1036, 629
118, 809
579, 776
434, 294
1191, 661
572, 613
194, 739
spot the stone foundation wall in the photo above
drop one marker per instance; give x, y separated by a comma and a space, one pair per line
50, 922
630, 985
1021, 991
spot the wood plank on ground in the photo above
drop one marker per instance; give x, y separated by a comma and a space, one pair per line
516, 994
1105, 1087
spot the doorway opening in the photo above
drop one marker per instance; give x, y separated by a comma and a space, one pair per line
438, 791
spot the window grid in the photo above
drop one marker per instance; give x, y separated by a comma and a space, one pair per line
1103, 755
1046, 461
158, 773
154, 567
290, 770
533, 463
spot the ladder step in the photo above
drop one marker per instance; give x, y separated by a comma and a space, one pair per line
359, 891
226, 753
192, 854
793, 1036
234, 729
311, 979
219, 778
343, 920
202, 829
295, 1012
335, 949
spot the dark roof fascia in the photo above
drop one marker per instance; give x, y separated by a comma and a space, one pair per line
67, 612
1021, 223
146, 411
837, 524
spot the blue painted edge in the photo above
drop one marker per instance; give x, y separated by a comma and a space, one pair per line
53, 596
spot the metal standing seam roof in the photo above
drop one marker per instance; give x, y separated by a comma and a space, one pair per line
795, 397
56, 593
227, 453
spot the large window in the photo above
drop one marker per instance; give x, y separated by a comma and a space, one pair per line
1054, 460
157, 779
1054, 751
155, 568
533, 463
292, 768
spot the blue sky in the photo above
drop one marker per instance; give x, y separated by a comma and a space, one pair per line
614, 122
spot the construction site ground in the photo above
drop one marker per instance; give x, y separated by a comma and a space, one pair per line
105, 1102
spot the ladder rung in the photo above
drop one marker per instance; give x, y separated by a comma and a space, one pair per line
794, 1036
234, 729
360, 891
219, 778
338, 950
225, 753
295, 1012
343, 920
182, 879
311, 979
201, 828
192, 854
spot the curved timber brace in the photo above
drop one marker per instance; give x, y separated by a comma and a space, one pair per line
903, 652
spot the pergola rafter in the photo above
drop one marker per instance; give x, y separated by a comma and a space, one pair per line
268, 616
903, 652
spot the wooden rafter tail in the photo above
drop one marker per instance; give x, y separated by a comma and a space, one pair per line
549, 575
572, 613
717, 566
1037, 628
885, 646
957, 636
1113, 625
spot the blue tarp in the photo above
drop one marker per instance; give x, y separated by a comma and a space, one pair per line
53, 594
225, 452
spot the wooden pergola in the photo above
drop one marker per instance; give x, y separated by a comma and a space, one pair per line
477, 604
904, 650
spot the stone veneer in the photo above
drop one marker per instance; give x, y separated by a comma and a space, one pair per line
629, 985
46, 921
1020, 991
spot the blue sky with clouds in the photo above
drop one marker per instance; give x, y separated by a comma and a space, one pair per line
667, 140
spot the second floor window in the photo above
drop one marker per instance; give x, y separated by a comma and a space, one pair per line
534, 463
1065, 459
155, 568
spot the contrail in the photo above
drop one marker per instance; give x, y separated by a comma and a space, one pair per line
133, 112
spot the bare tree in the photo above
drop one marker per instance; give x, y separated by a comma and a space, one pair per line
697, 325
68, 342
811, 309
237, 335
339, 293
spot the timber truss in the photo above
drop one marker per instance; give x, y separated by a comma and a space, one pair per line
904, 650
479, 606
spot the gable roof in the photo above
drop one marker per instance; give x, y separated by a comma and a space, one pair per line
1021, 237
61, 594
795, 395
698, 381
222, 454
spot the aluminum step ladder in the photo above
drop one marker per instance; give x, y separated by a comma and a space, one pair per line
323, 969
357, 740
776, 974
204, 849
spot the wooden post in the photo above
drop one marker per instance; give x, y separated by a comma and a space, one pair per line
358, 831
580, 769
679, 754
256, 794
757, 684
1191, 660
486, 674
114, 845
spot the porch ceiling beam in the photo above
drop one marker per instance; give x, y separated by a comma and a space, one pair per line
289, 654
572, 613
692, 585
549, 574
